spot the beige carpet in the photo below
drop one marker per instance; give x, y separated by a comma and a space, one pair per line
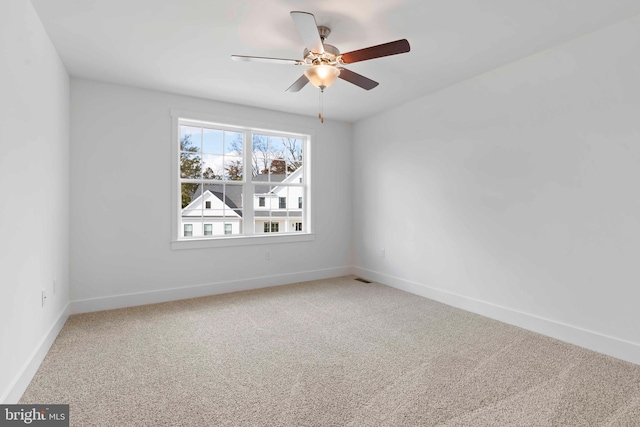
327, 353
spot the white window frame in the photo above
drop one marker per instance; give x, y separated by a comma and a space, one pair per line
243, 125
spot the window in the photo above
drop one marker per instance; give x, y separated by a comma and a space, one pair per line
298, 226
271, 226
234, 181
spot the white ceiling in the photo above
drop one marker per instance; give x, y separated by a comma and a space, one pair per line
183, 46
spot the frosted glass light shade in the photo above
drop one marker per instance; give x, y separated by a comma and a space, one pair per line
322, 76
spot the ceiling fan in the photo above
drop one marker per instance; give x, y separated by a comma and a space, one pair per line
324, 62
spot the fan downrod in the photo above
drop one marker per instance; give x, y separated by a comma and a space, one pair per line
324, 32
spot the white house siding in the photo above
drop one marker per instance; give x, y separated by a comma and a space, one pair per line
198, 215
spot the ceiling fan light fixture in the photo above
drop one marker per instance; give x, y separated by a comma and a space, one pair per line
322, 76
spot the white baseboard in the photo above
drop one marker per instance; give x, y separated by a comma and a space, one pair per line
612, 346
165, 295
17, 387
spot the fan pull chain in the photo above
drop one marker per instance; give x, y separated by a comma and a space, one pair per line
320, 101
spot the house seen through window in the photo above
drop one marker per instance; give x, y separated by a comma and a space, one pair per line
236, 181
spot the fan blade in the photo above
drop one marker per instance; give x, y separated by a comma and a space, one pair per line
299, 84
357, 79
387, 49
266, 60
308, 30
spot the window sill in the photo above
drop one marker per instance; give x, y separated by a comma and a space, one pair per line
221, 242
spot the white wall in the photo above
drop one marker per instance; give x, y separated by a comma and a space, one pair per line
121, 163
34, 184
516, 194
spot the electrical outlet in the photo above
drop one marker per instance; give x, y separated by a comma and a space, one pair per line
382, 253
267, 256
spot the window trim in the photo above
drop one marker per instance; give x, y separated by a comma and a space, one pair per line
240, 125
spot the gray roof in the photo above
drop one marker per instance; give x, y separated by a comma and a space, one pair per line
264, 189
231, 195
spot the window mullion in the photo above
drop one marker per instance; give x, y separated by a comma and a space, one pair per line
248, 190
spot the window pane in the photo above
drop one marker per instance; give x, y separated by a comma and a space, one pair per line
212, 166
266, 169
233, 168
190, 196
233, 143
190, 139
276, 155
259, 154
261, 205
233, 198
278, 166
276, 147
293, 153
208, 229
212, 141
190, 165
188, 230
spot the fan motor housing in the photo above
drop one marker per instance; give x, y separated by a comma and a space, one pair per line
328, 57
